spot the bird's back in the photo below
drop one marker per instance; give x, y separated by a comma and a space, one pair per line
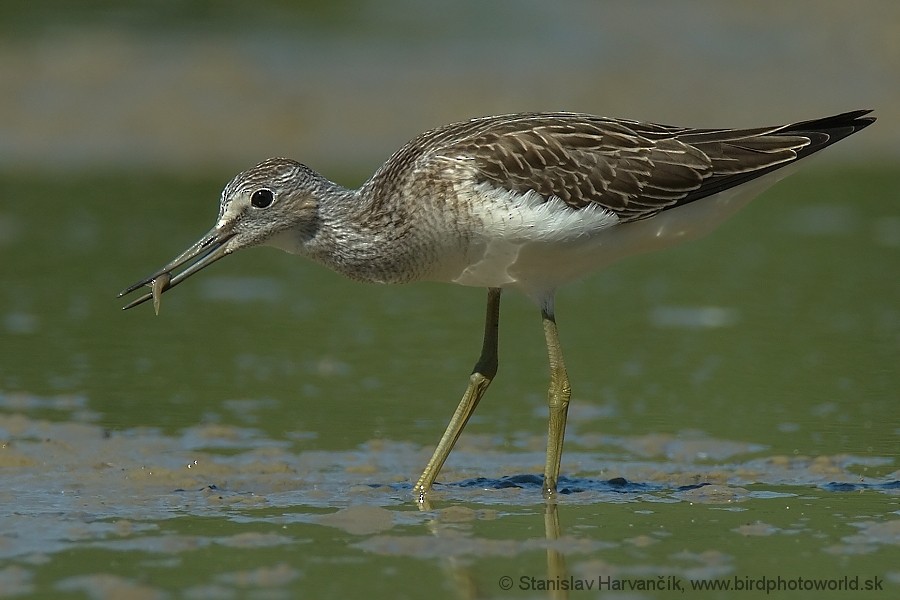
632, 168
534, 199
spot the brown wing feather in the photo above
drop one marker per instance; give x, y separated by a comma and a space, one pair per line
633, 169
583, 163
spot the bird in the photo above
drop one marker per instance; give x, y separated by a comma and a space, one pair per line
524, 202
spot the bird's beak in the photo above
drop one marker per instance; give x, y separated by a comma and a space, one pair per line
207, 250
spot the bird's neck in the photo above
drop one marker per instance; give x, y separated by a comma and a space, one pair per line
358, 235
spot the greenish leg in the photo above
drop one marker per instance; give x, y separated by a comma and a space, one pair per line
558, 401
482, 375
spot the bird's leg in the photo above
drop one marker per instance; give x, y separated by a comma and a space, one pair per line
558, 401
481, 377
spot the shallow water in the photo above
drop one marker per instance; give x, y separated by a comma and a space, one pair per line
734, 411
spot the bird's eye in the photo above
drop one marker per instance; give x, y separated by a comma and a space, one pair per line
262, 198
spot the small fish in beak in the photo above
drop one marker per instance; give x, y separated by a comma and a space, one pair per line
203, 253
160, 284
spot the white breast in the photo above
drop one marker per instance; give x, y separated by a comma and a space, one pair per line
519, 237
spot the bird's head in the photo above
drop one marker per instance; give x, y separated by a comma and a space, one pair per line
274, 203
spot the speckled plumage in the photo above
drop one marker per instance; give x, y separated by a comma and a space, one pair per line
631, 168
437, 206
526, 201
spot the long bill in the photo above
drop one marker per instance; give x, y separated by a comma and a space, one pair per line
207, 250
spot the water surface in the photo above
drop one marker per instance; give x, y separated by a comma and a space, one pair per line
734, 411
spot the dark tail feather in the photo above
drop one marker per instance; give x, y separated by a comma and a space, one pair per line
821, 133
826, 131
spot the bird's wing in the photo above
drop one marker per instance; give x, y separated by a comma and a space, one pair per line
630, 168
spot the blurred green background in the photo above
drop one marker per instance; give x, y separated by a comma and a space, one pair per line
258, 438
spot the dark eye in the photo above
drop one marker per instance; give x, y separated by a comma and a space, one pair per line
262, 198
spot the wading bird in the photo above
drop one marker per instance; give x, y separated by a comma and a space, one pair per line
522, 201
